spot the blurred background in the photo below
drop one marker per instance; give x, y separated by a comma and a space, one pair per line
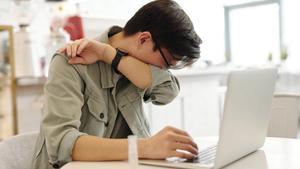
236, 34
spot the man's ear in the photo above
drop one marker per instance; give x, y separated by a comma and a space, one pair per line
144, 37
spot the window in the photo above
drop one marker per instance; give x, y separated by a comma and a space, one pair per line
253, 33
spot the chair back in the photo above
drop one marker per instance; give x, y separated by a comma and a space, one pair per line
17, 152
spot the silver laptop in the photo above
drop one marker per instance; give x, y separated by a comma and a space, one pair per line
244, 123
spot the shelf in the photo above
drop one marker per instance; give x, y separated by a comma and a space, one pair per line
31, 81
9, 122
5, 27
4, 82
24, 81
4, 78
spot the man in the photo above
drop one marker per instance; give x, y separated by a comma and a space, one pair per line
96, 87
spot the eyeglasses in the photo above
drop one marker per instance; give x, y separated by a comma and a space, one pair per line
179, 62
163, 56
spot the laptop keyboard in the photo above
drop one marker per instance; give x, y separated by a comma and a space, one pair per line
206, 156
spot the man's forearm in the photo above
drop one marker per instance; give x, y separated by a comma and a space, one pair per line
91, 148
138, 72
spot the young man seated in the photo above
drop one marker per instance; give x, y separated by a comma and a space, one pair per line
95, 90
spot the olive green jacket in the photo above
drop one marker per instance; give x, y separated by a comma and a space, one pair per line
85, 99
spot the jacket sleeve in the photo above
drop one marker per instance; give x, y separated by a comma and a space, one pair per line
164, 87
64, 100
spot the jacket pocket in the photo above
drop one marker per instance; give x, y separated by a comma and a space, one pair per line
97, 109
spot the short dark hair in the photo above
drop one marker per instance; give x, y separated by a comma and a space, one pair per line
170, 26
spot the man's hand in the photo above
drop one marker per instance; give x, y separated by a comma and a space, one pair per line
85, 51
167, 142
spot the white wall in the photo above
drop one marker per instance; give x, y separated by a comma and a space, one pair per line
291, 33
207, 17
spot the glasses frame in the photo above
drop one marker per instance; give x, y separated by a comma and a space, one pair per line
178, 60
168, 65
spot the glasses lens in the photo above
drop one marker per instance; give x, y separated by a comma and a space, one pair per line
181, 63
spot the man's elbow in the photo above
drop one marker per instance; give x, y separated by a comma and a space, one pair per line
145, 83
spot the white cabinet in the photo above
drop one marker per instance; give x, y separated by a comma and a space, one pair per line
196, 109
201, 108
161, 116
30, 104
284, 116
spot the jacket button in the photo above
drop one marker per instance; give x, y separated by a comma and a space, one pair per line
153, 97
101, 115
55, 166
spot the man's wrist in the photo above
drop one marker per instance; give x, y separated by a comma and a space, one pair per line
116, 60
142, 148
108, 54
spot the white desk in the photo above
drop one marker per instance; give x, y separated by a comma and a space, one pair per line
277, 153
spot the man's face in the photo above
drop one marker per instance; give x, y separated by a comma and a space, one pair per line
160, 57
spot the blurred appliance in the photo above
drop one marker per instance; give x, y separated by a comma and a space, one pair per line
26, 55
74, 27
